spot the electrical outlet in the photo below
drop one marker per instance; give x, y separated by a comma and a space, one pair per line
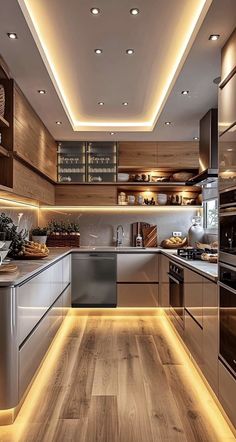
176, 233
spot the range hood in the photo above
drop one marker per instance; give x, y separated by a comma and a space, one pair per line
208, 149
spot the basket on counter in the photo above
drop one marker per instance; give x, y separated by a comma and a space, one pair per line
63, 240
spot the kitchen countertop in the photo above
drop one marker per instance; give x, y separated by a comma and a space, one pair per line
205, 268
29, 268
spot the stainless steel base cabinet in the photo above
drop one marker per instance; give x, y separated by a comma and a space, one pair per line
94, 280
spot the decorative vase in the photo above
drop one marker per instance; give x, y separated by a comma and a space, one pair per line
2, 100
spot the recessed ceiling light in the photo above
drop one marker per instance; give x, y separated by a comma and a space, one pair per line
230, 149
185, 92
12, 35
101, 103
168, 123
98, 51
112, 133
95, 11
42, 91
214, 37
196, 138
130, 51
134, 11
59, 123
125, 103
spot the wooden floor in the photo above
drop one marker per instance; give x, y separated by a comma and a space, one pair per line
117, 379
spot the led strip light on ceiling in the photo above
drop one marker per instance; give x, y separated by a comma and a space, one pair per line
195, 22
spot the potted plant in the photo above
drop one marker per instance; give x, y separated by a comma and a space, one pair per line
63, 234
8, 228
39, 234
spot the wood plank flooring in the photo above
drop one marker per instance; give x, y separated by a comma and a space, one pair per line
117, 379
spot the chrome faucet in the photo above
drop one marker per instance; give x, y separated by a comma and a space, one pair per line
119, 238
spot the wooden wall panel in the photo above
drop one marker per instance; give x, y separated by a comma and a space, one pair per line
29, 184
162, 154
32, 141
85, 195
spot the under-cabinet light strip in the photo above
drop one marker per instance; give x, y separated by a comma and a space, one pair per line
15, 203
123, 209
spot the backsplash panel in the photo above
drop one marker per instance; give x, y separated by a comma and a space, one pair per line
25, 217
99, 227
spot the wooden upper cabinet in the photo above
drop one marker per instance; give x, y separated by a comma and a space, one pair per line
85, 195
228, 57
178, 154
137, 154
32, 141
27, 183
162, 154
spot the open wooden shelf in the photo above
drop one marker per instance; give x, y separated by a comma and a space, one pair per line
4, 152
3, 122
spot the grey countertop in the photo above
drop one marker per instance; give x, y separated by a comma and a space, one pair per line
29, 268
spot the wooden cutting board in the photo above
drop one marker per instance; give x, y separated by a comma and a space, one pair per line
150, 236
137, 228
8, 268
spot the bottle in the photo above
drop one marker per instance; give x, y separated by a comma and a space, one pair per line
196, 231
139, 241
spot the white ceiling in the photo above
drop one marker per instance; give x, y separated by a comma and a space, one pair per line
115, 77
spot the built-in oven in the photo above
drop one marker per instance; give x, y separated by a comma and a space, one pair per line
176, 284
228, 236
227, 316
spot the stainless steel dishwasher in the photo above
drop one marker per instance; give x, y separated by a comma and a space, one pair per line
94, 280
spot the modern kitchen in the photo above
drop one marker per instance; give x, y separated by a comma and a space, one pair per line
118, 221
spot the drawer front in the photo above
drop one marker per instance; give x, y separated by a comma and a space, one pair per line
66, 300
55, 317
137, 267
164, 294
66, 271
56, 280
137, 295
210, 333
227, 392
36, 346
32, 353
227, 105
35, 297
164, 268
193, 294
193, 338
33, 300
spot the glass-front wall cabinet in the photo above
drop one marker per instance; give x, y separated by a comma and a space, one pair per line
101, 162
71, 162
92, 162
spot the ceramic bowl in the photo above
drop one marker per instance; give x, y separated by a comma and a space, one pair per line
123, 177
162, 199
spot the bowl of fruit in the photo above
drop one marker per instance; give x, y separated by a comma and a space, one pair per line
174, 242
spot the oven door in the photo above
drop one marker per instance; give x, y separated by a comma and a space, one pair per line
177, 298
228, 237
228, 317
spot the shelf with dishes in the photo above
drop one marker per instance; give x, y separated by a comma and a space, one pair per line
152, 197
157, 176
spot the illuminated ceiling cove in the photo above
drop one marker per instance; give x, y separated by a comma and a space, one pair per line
67, 34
